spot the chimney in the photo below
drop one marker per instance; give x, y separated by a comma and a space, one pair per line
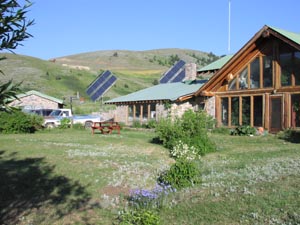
190, 71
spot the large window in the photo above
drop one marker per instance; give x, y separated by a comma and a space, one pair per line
267, 71
297, 68
286, 69
246, 110
257, 111
242, 110
235, 108
224, 111
251, 76
295, 110
243, 79
255, 73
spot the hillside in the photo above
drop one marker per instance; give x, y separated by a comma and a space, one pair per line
63, 77
121, 60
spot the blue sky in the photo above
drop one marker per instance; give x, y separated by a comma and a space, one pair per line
67, 27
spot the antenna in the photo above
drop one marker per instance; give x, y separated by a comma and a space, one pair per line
229, 6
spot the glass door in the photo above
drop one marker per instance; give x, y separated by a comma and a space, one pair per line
275, 113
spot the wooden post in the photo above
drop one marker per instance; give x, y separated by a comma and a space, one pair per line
267, 111
134, 112
141, 113
149, 111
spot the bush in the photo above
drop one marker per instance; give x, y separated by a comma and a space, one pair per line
182, 173
191, 129
136, 124
290, 135
169, 132
139, 217
151, 124
183, 151
244, 130
19, 122
65, 123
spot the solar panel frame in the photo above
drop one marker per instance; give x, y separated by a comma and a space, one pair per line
168, 76
179, 76
97, 82
103, 88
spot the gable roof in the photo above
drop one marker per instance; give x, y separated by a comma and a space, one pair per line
161, 92
295, 37
33, 92
216, 64
291, 38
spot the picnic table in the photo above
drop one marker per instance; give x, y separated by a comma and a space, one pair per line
106, 127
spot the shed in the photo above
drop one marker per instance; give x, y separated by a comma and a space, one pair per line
36, 100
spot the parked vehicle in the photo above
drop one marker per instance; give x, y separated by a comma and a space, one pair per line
55, 117
41, 112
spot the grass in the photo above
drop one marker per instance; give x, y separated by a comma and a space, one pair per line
72, 177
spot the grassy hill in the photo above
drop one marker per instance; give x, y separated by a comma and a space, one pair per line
66, 76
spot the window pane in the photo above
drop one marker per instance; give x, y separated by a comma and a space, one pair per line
235, 108
145, 111
130, 112
153, 111
295, 110
258, 111
246, 110
254, 74
297, 68
267, 71
243, 80
232, 84
224, 111
286, 69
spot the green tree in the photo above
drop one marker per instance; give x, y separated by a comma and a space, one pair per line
13, 30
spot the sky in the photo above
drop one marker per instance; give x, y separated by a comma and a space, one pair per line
69, 27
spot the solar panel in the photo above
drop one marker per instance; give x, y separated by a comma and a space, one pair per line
179, 76
97, 82
168, 76
104, 87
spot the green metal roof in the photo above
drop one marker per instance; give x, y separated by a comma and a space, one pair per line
216, 64
168, 91
295, 37
33, 92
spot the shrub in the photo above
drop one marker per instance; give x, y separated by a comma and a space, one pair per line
183, 151
19, 122
191, 129
151, 124
64, 123
182, 173
136, 124
139, 217
244, 130
169, 132
290, 135
202, 144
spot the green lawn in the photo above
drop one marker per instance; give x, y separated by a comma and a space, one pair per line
73, 177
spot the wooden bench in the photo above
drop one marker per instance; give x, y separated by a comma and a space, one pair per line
106, 127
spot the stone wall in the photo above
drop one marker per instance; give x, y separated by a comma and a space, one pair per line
35, 102
210, 106
190, 71
177, 110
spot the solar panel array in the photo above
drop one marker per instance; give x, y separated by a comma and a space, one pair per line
100, 85
175, 74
